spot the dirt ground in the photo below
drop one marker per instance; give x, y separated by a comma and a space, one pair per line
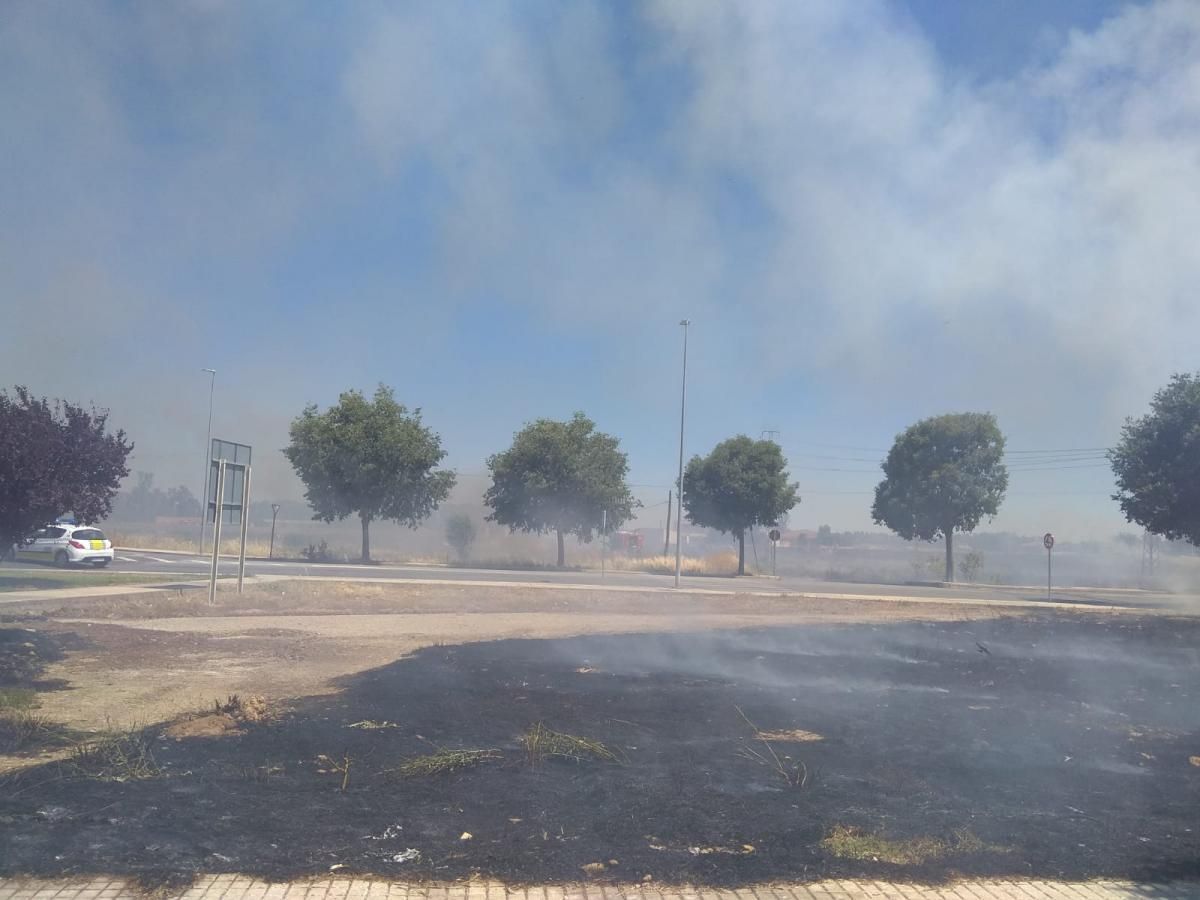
147, 658
722, 740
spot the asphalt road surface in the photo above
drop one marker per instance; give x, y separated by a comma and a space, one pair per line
187, 566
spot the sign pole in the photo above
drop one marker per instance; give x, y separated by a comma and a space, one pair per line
1048, 543
216, 549
245, 524
274, 516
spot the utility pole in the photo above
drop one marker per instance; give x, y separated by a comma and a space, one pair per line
207, 451
667, 536
682, 409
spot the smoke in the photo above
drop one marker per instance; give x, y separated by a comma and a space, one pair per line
504, 211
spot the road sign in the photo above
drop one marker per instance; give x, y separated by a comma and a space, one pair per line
1048, 541
237, 460
228, 502
774, 534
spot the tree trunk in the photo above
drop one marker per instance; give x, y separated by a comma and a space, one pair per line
742, 552
366, 539
562, 554
949, 554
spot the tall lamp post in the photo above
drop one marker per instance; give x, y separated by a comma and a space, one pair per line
682, 407
207, 464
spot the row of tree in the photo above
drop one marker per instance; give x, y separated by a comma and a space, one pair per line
942, 475
375, 459
946, 473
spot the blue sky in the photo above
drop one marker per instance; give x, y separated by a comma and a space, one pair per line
873, 212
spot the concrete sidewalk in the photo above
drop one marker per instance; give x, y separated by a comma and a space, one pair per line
237, 887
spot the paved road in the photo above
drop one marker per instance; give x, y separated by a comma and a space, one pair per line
181, 566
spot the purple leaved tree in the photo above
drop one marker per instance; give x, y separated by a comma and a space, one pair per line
55, 457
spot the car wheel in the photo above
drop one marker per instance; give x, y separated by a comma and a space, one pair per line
61, 558
101, 563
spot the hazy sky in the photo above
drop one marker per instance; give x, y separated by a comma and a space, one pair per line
872, 211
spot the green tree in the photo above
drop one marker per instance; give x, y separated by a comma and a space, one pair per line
1157, 463
369, 457
460, 534
943, 474
825, 536
560, 477
740, 484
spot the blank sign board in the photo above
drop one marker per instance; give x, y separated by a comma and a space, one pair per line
237, 458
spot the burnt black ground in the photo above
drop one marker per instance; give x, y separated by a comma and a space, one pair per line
1064, 748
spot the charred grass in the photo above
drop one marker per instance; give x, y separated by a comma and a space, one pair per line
935, 760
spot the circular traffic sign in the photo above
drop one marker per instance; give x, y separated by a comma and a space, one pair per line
774, 534
1048, 541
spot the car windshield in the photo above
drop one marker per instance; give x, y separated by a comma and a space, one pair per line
88, 534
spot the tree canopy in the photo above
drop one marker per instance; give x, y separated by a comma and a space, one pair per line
560, 477
55, 458
1157, 463
943, 474
740, 484
373, 458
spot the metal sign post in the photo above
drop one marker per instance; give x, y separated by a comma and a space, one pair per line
229, 499
245, 524
216, 548
274, 516
1048, 543
774, 535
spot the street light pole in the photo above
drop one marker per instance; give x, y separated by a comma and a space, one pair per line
207, 463
682, 408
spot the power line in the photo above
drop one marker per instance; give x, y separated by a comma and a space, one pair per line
1014, 452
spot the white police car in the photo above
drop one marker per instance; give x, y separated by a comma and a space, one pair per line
63, 544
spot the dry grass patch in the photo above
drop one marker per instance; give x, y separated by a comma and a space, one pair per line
846, 842
114, 756
22, 730
793, 735
720, 564
225, 718
541, 742
442, 762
